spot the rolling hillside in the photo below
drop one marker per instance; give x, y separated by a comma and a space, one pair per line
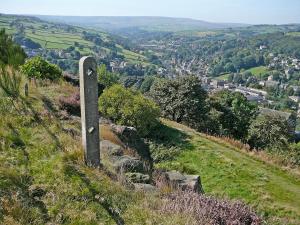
59, 36
140, 22
233, 173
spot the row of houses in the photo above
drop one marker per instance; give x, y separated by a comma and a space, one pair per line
213, 85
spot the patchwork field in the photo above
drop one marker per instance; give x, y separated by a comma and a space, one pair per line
55, 36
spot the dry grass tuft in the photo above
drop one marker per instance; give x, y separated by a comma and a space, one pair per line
106, 133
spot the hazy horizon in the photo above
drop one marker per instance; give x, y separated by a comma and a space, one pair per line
227, 11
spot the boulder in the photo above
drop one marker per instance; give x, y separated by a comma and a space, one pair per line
138, 178
110, 149
184, 182
130, 137
127, 163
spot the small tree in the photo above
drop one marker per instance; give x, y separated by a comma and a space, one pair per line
40, 69
130, 108
147, 83
182, 100
269, 131
106, 78
233, 112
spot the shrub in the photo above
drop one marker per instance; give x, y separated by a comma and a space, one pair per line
130, 108
269, 132
209, 210
71, 104
41, 69
10, 82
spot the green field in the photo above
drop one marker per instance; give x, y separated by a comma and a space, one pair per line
54, 37
223, 77
295, 34
235, 174
256, 71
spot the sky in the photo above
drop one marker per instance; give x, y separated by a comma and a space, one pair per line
236, 11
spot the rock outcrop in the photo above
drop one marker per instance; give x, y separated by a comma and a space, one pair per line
131, 158
181, 181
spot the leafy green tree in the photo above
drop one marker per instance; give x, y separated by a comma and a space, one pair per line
229, 67
233, 112
106, 78
269, 131
130, 108
40, 69
10, 53
182, 100
147, 83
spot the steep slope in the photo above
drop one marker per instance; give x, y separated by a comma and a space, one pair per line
42, 175
233, 173
43, 178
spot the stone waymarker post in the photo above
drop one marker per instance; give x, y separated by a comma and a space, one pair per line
89, 110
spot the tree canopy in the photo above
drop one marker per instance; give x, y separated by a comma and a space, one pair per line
182, 100
235, 113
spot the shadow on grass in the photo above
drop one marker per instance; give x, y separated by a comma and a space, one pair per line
71, 170
39, 120
166, 143
170, 137
22, 183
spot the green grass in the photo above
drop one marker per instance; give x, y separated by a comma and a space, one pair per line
43, 179
295, 34
256, 71
228, 172
223, 77
56, 38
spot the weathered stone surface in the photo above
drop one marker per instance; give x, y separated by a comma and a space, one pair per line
145, 187
110, 149
127, 163
132, 140
89, 110
123, 130
185, 182
138, 178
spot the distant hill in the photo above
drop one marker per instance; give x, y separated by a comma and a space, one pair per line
64, 44
112, 23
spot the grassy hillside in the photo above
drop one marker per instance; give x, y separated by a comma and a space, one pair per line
54, 36
43, 178
232, 173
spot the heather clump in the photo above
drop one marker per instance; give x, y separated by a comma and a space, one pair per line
210, 210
